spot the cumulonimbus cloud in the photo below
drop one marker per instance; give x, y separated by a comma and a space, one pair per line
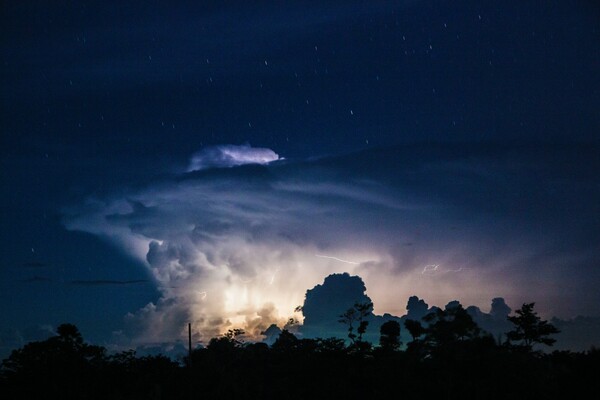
239, 248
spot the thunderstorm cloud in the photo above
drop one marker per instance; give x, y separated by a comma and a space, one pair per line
239, 247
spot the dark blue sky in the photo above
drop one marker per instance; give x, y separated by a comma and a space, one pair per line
106, 101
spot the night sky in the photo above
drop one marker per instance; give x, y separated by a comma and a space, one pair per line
163, 164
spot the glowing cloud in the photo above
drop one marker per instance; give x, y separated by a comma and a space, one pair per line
230, 156
228, 251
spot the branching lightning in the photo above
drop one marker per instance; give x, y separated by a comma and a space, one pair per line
455, 270
430, 269
434, 268
337, 259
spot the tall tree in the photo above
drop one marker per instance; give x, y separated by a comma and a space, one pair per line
530, 329
227, 342
453, 324
415, 329
356, 314
390, 335
285, 342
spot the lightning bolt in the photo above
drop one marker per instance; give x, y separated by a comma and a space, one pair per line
273, 276
430, 269
455, 270
433, 268
337, 259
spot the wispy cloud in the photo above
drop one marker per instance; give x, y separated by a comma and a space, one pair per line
109, 282
33, 264
36, 279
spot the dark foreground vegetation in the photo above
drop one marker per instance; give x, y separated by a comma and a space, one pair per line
448, 358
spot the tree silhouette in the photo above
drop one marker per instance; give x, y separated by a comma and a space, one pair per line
66, 351
227, 342
390, 335
330, 345
414, 328
448, 356
68, 333
64, 361
286, 341
530, 328
449, 325
356, 314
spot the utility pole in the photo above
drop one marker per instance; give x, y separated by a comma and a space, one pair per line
189, 344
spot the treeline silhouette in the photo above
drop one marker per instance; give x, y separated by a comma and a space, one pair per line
449, 357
